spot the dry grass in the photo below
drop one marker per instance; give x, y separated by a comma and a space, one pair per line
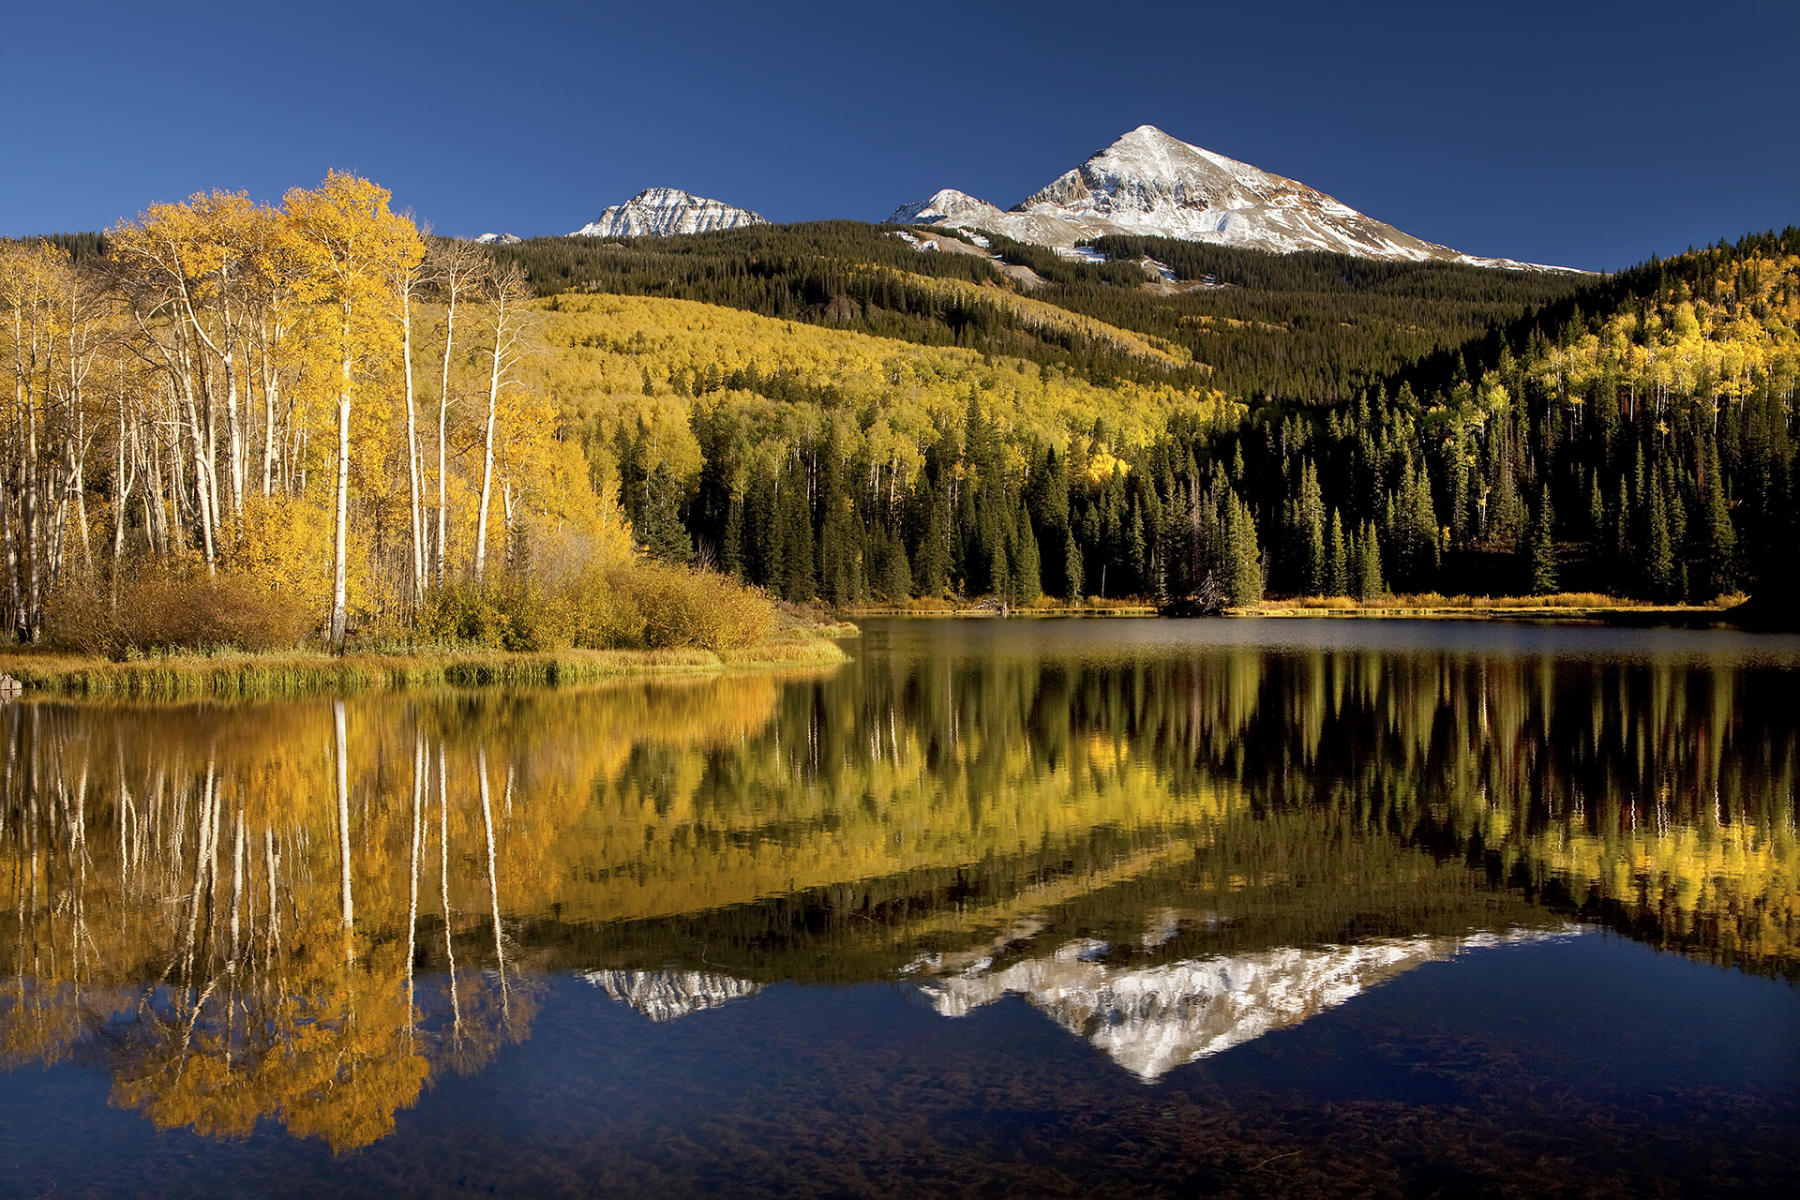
300, 673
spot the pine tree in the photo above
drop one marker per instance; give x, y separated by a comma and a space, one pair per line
1337, 558
659, 526
1543, 547
931, 558
798, 583
1369, 584
1072, 572
1027, 570
893, 574
1659, 550
1308, 533
1244, 583
1718, 539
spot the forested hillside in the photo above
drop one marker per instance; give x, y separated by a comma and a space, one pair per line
1307, 327
1634, 436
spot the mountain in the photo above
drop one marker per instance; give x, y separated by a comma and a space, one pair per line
946, 207
1150, 1020
659, 212
1151, 184
499, 239
666, 995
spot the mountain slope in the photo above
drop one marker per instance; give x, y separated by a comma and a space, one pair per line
1151, 184
660, 212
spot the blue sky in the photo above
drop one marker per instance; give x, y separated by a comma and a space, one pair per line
1591, 134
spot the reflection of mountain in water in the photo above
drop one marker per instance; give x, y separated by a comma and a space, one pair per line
1150, 1020
665, 995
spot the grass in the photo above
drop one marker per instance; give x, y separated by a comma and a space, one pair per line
237, 675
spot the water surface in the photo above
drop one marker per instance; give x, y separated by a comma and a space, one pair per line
1033, 907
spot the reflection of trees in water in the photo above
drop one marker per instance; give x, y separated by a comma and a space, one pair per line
251, 960
303, 910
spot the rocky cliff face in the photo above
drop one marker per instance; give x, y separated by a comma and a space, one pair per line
659, 212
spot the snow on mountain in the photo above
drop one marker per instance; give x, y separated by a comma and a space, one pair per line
498, 239
1152, 1019
1151, 184
665, 995
659, 212
946, 207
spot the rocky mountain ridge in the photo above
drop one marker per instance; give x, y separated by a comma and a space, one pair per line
1151, 184
662, 211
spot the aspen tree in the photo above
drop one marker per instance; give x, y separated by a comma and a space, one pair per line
456, 268
354, 247
507, 296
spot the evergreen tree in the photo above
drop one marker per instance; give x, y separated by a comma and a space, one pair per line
1659, 550
659, 527
893, 574
1369, 584
931, 559
1337, 558
1718, 539
1027, 570
1307, 531
1243, 576
1072, 570
1543, 547
798, 583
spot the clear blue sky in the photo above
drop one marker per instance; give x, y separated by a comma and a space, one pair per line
1573, 132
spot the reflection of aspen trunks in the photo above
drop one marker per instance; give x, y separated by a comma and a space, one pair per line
343, 826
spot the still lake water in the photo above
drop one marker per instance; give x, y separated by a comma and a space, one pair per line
1001, 908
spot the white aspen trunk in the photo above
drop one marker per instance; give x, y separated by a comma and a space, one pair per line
271, 387
453, 282
201, 484
487, 453
412, 443
340, 532
443, 506
234, 433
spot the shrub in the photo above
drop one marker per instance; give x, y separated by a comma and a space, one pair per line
175, 610
509, 613
647, 605
681, 607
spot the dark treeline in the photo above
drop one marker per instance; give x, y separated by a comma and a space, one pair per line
1637, 439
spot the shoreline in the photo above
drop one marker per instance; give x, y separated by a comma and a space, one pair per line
239, 676
1399, 608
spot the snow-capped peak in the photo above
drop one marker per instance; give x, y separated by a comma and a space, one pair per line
1153, 184
1151, 1019
499, 239
946, 206
662, 211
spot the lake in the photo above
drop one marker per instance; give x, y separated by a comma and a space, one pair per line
1045, 908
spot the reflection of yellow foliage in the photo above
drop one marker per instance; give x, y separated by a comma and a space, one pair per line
672, 798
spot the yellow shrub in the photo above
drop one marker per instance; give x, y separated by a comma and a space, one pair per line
177, 610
